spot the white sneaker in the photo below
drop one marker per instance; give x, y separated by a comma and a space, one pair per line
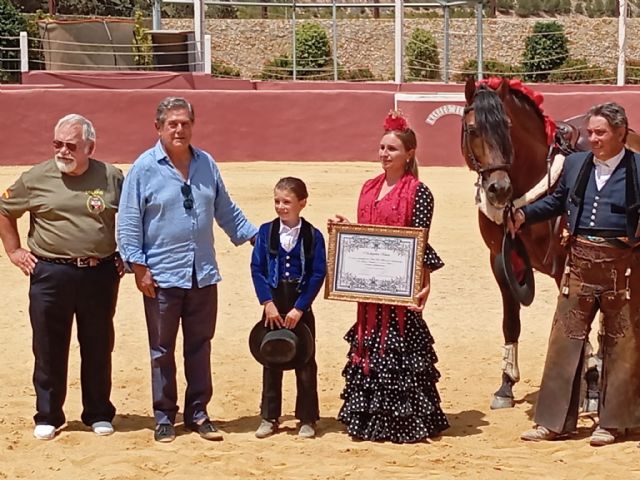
266, 428
307, 430
44, 432
102, 428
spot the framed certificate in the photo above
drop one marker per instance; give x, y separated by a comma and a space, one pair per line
374, 263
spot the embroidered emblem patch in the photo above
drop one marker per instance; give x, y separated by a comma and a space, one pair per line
95, 202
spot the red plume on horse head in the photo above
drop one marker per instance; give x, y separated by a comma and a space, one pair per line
395, 122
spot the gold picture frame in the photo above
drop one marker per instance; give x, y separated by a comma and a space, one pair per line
374, 263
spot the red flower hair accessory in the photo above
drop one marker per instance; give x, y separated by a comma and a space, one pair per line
395, 122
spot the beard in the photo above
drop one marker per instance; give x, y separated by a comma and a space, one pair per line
66, 167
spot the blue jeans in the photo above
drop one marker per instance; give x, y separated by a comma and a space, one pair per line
197, 308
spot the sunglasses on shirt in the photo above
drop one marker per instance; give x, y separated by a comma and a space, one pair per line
57, 144
187, 195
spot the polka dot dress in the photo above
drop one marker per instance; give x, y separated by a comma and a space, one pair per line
398, 400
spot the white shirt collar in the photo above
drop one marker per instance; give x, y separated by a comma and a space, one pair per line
611, 163
285, 229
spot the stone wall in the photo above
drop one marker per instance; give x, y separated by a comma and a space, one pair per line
248, 44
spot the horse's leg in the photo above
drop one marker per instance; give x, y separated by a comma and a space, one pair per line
593, 367
503, 397
592, 373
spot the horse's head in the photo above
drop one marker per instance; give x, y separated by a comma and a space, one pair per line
486, 140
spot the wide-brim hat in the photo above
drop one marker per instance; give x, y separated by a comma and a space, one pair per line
515, 264
281, 348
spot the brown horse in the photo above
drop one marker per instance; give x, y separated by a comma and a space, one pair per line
505, 142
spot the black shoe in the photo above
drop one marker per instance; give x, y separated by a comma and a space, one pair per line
164, 433
207, 430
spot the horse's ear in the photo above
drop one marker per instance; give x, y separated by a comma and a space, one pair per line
470, 90
504, 89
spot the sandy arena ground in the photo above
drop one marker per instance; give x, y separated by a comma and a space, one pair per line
463, 313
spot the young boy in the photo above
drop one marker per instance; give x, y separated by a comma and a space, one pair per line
288, 267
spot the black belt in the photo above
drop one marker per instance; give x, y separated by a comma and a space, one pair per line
602, 233
80, 262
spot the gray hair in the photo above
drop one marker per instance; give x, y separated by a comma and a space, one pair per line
613, 113
173, 103
88, 132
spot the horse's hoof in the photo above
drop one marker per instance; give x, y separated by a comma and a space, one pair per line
501, 402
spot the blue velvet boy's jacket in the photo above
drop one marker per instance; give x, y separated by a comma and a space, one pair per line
266, 261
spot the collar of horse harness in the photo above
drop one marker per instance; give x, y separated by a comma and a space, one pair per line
479, 169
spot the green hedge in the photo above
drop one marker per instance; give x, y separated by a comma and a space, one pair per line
578, 70
489, 68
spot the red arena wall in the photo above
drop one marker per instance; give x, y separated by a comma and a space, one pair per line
240, 120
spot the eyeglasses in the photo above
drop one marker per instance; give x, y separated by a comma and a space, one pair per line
187, 194
57, 144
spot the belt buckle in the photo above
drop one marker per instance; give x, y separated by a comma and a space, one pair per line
83, 262
595, 239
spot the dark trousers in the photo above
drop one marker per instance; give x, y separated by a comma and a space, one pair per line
57, 293
197, 308
307, 409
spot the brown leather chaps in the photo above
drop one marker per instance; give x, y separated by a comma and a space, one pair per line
601, 277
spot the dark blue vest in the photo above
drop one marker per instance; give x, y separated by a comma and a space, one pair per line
290, 263
605, 209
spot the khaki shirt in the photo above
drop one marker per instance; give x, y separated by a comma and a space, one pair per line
71, 216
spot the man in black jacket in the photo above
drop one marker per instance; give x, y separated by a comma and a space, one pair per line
599, 193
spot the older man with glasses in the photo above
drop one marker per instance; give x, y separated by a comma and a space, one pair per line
170, 199
74, 269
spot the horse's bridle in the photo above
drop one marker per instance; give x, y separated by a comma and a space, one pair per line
477, 167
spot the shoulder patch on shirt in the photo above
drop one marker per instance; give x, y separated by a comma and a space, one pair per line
95, 202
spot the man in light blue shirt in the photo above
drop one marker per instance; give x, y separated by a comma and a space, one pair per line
169, 201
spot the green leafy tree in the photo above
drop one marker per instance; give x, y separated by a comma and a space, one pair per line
545, 50
313, 56
578, 9
313, 50
11, 24
422, 57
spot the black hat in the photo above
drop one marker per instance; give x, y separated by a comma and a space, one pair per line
515, 264
281, 348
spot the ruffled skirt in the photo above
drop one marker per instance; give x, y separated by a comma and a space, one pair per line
397, 401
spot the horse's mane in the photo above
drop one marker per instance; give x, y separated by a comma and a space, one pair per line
492, 122
524, 100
